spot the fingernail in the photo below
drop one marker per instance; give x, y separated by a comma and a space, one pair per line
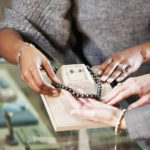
57, 79
110, 80
103, 102
109, 103
131, 107
104, 78
55, 93
100, 72
120, 79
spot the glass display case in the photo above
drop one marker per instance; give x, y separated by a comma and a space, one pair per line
38, 133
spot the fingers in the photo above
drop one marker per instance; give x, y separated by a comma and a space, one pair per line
113, 93
103, 66
129, 70
109, 70
122, 95
73, 101
128, 88
50, 72
142, 101
113, 69
35, 80
41, 83
29, 80
114, 75
85, 113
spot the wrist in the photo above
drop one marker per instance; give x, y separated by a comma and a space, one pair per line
145, 51
115, 120
21, 48
123, 124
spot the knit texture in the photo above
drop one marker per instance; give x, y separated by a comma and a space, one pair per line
138, 122
103, 26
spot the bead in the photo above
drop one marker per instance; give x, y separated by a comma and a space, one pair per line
59, 86
95, 77
87, 95
82, 95
77, 95
66, 88
99, 86
70, 90
62, 86
91, 95
73, 93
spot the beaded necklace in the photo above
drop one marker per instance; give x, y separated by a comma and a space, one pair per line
78, 95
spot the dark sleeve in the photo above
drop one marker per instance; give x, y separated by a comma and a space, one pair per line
138, 122
15, 16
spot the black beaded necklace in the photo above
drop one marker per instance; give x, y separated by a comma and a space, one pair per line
78, 95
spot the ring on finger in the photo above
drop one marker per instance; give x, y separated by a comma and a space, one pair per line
123, 67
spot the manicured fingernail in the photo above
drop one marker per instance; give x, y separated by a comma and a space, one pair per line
99, 72
110, 80
110, 103
103, 102
55, 93
131, 107
104, 78
120, 79
57, 79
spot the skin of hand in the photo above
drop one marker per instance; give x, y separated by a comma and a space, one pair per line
91, 109
136, 85
131, 59
31, 62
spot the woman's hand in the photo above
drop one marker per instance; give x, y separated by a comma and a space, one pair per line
31, 62
120, 65
91, 109
137, 85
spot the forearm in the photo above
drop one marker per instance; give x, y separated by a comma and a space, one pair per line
10, 42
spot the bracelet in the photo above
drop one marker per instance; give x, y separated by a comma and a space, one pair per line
20, 50
117, 128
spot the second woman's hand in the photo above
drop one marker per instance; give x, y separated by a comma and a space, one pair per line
91, 109
31, 62
136, 85
121, 64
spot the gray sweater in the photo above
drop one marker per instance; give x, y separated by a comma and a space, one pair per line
82, 31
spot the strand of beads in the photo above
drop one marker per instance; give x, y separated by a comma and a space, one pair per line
74, 93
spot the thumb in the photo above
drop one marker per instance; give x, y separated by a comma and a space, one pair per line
48, 68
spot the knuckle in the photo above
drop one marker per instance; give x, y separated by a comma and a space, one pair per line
31, 69
38, 90
47, 63
25, 74
40, 84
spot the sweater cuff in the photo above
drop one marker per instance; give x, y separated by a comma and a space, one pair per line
138, 122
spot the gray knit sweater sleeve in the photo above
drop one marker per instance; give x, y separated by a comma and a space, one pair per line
40, 22
15, 17
138, 122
